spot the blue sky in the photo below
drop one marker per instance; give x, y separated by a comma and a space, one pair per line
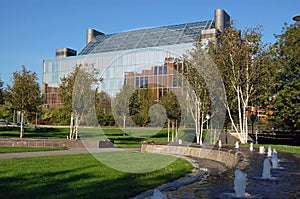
31, 30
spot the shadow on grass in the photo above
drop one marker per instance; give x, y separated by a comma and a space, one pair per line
90, 179
29, 132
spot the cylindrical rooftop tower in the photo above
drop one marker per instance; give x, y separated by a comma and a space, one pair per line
222, 19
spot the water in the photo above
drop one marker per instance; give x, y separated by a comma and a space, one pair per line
261, 150
239, 183
274, 160
237, 145
251, 147
287, 184
266, 169
269, 151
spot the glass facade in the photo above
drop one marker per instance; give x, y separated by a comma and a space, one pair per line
141, 58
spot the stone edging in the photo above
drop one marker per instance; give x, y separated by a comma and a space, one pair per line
52, 143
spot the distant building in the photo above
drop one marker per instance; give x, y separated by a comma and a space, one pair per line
142, 57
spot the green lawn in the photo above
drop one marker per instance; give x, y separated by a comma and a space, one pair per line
283, 148
82, 176
130, 138
28, 149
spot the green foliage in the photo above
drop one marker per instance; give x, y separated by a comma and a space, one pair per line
25, 94
121, 105
170, 102
81, 176
139, 105
56, 116
287, 94
103, 109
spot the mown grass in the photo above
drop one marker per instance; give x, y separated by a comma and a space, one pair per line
28, 149
283, 148
129, 138
82, 176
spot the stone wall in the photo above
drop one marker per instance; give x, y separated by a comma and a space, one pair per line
228, 157
52, 143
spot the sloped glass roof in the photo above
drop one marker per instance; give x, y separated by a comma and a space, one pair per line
148, 37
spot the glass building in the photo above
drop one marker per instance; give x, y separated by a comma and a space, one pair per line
141, 58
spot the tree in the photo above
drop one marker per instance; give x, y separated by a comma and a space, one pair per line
170, 102
198, 101
25, 95
103, 109
120, 105
243, 63
287, 93
139, 106
78, 97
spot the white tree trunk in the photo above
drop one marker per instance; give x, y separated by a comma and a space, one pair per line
21, 126
168, 130
76, 126
71, 126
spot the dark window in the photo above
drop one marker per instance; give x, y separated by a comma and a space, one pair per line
137, 81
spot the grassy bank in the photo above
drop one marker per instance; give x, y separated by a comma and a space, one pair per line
81, 176
28, 149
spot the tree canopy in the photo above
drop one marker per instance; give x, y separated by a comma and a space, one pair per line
24, 94
244, 65
287, 91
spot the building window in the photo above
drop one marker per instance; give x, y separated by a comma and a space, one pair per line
142, 82
137, 81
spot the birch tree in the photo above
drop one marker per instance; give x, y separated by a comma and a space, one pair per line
77, 92
241, 59
120, 105
198, 98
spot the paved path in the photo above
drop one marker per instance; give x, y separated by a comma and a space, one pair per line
63, 152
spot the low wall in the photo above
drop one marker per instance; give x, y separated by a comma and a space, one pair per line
228, 157
51, 143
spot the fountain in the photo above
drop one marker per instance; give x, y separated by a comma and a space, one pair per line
251, 146
239, 186
239, 183
158, 195
269, 151
274, 160
237, 144
261, 150
266, 169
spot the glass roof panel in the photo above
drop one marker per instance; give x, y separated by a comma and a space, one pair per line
148, 37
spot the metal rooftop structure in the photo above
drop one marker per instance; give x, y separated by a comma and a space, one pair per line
148, 37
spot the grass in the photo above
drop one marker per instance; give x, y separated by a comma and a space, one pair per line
283, 148
29, 132
28, 149
82, 176
130, 138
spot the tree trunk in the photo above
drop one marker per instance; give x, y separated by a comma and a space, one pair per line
76, 126
172, 131
21, 126
71, 126
168, 130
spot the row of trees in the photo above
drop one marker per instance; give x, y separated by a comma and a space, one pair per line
251, 73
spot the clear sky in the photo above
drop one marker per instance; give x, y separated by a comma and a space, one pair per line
31, 30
